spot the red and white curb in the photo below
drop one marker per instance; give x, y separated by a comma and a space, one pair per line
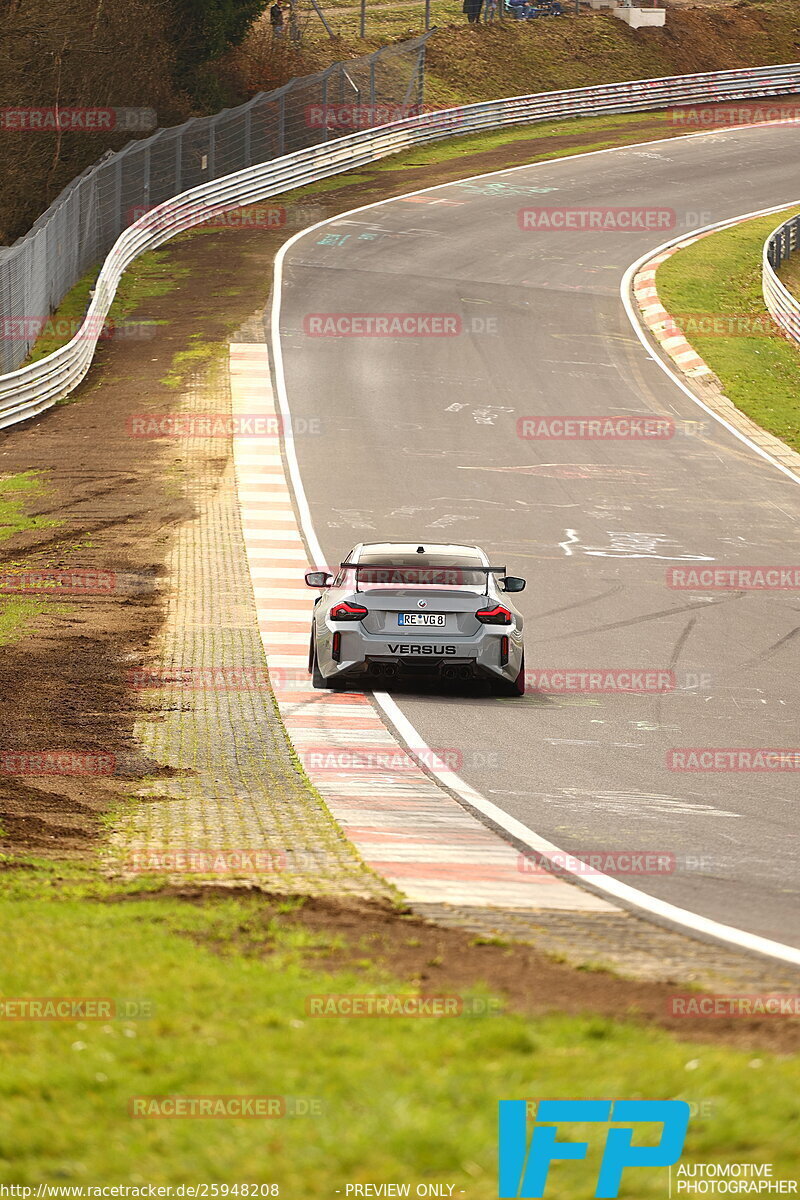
660, 323
405, 826
648, 316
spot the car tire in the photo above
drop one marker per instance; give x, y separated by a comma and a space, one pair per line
318, 680
513, 687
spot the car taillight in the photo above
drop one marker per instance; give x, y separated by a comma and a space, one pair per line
494, 616
503, 650
336, 647
348, 612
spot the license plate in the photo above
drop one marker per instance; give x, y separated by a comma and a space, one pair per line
420, 618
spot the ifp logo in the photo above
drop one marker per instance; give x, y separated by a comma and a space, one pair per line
524, 1166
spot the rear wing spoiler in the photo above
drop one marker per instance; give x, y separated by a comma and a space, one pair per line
422, 567
457, 574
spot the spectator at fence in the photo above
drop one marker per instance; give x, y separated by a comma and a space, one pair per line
528, 10
473, 10
276, 19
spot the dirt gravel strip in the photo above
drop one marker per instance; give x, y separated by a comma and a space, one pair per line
448, 865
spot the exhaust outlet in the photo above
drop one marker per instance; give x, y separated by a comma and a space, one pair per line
449, 673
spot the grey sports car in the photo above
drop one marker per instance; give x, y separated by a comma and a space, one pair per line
399, 610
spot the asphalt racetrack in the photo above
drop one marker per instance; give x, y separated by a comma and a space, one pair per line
416, 438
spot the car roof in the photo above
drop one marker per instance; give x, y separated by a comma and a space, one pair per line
443, 548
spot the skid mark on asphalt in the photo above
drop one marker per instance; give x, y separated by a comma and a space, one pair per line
774, 648
664, 612
551, 612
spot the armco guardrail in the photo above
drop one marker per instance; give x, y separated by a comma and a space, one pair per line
780, 302
29, 390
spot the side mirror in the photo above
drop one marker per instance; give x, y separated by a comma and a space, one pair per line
318, 579
512, 583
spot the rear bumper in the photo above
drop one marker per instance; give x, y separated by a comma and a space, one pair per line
366, 656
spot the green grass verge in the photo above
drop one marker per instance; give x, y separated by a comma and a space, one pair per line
151, 275
400, 1098
15, 491
17, 612
720, 276
450, 148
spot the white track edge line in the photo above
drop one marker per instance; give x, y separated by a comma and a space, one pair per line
406, 731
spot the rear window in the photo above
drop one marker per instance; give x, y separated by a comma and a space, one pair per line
401, 569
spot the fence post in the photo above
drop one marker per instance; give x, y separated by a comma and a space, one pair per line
325, 107
282, 124
6, 361
372, 100
212, 148
248, 125
118, 195
179, 164
146, 181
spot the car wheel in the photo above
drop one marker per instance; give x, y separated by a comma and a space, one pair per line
318, 680
513, 687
